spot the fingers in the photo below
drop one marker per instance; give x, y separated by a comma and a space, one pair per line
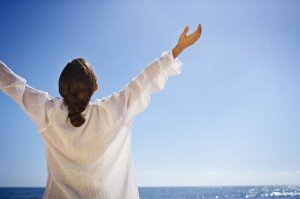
199, 28
186, 29
197, 32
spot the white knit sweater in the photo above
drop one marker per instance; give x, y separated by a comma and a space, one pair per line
93, 160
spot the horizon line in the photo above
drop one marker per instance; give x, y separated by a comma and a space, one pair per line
178, 186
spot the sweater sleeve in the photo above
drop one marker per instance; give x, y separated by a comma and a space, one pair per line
31, 100
135, 96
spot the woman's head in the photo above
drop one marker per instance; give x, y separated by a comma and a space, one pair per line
77, 83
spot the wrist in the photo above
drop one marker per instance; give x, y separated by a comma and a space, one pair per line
177, 50
179, 47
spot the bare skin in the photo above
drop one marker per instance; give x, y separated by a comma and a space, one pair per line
186, 40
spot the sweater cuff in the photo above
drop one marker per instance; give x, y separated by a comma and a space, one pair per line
8, 77
172, 66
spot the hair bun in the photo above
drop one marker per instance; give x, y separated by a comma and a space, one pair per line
75, 114
76, 119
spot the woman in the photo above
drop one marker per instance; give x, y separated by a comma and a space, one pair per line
88, 145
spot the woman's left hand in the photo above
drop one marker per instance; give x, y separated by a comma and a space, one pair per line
188, 40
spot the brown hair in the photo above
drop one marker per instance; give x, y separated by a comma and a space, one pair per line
77, 84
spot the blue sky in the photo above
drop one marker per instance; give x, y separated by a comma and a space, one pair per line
230, 118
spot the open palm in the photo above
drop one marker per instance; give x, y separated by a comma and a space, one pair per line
188, 40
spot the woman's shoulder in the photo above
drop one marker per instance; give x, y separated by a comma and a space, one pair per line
100, 102
105, 104
53, 103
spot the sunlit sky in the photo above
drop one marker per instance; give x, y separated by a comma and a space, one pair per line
230, 118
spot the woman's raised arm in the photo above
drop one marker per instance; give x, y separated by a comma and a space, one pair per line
31, 100
135, 96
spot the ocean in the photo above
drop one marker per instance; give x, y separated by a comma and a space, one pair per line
232, 192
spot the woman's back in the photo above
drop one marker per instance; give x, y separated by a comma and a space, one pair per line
91, 161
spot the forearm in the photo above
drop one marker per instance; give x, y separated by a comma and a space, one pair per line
177, 50
135, 97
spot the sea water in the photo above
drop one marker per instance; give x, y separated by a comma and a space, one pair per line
232, 192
